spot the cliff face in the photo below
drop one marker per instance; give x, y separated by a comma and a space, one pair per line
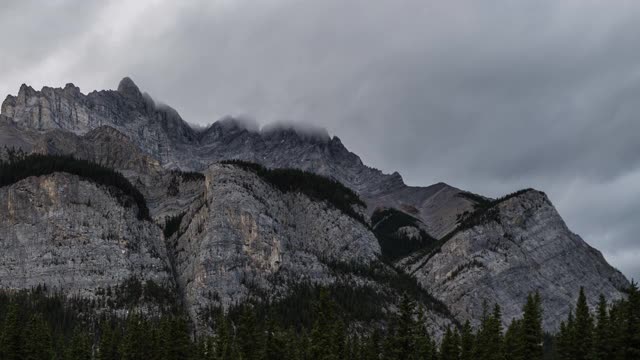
245, 237
72, 235
520, 246
162, 134
240, 238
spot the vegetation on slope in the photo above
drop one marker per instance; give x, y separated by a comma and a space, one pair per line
394, 244
37, 325
21, 168
312, 185
485, 211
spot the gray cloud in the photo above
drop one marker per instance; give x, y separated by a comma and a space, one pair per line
488, 96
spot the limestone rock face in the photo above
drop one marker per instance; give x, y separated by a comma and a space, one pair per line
523, 247
246, 236
239, 236
160, 132
70, 234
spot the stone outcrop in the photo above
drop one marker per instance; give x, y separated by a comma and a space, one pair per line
521, 246
240, 236
160, 132
72, 235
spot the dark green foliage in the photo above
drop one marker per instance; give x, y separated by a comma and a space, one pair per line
400, 281
36, 325
188, 176
386, 222
172, 225
38, 165
314, 186
133, 292
485, 211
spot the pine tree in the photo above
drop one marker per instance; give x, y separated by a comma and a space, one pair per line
401, 344
565, 343
79, 347
323, 333
38, 340
489, 344
632, 326
450, 346
532, 334
249, 337
513, 341
602, 334
583, 329
107, 345
466, 342
11, 343
421, 338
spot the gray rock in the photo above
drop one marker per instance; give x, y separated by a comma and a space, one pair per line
525, 248
72, 235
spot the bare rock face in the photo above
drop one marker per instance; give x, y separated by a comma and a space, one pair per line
70, 234
521, 246
246, 236
160, 132
240, 237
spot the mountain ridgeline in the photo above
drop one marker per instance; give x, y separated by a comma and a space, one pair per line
239, 242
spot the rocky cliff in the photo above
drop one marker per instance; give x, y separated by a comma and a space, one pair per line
518, 246
160, 132
72, 235
234, 236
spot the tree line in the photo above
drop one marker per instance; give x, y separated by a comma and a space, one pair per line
19, 166
37, 325
314, 186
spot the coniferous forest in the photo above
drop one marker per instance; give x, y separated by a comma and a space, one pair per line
37, 325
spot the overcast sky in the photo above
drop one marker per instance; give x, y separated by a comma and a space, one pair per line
489, 96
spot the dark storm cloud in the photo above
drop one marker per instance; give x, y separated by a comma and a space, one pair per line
489, 96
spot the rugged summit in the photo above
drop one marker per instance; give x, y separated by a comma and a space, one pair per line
160, 132
516, 247
229, 235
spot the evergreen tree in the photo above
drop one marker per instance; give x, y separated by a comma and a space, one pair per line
11, 344
107, 346
421, 338
79, 347
450, 346
532, 334
324, 331
38, 340
602, 334
466, 342
489, 345
401, 344
583, 329
514, 341
250, 340
631, 338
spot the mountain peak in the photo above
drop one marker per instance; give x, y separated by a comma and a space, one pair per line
128, 88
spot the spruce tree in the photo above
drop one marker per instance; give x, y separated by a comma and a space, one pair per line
249, 335
632, 323
513, 341
602, 334
532, 334
583, 330
323, 333
450, 346
79, 346
421, 338
38, 341
11, 343
466, 342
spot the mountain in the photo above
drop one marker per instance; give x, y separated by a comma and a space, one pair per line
234, 232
